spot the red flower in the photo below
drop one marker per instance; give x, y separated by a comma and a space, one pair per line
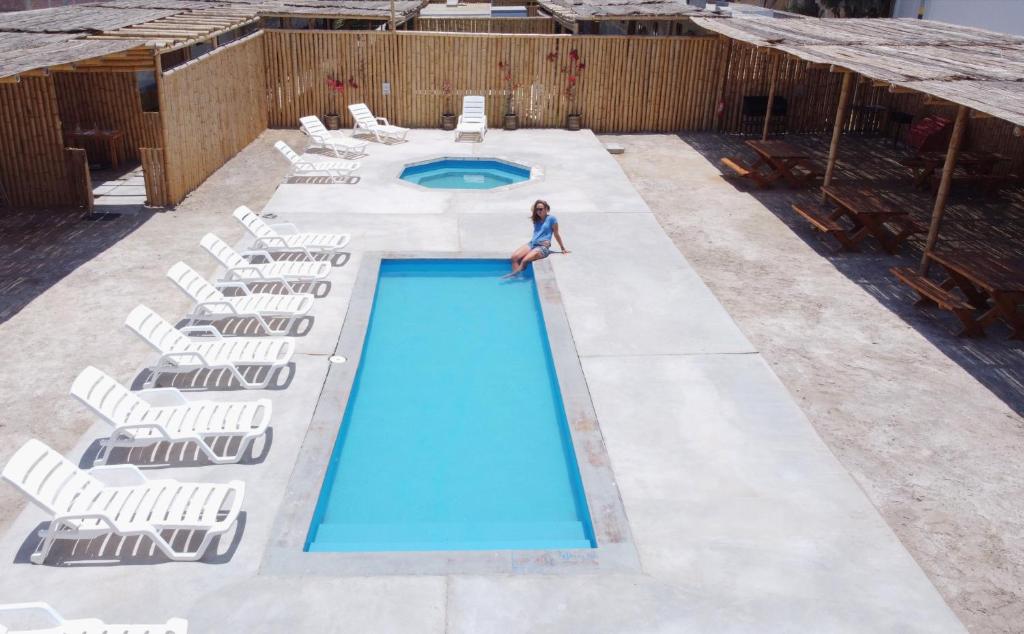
352, 83
572, 80
552, 56
573, 55
581, 66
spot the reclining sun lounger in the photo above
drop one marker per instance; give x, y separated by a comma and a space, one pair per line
60, 625
335, 170
82, 506
151, 417
286, 237
473, 120
379, 127
335, 141
179, 353
213, 305
284, 272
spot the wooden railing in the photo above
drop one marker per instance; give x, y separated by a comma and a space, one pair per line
536, 25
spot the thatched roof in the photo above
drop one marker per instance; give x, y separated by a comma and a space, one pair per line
575, 10
973, 67
23, 52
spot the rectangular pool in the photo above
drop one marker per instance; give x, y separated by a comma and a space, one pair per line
454, 436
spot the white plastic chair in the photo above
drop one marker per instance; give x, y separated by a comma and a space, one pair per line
335, 141
379, 127
60, 625
149, 418
286, 237
213, 305
283, 272
473, 120
179, 353
336, 171
83, 506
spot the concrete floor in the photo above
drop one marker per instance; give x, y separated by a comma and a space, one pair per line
928, 424
742, 517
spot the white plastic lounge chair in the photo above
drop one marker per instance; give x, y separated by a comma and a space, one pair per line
335, 141
60, 625
283, 272
286, 238
452, 3
213, 305
379, 127
473, 120
85, 507
336, 171
179, 353
150, 417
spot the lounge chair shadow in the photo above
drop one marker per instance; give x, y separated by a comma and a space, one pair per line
219, 380
317, 288
114, 550
166, 455
321, 180
336, 259
250, 327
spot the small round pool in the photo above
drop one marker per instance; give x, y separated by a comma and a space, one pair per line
465, 173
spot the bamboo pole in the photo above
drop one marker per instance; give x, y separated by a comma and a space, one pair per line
837, 129
723, 82
771, 96
947, 180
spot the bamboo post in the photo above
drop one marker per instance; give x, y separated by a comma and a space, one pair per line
391, 22
837, 129
947, 180
723, 81
771, 97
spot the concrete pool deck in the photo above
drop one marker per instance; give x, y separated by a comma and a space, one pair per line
742, 518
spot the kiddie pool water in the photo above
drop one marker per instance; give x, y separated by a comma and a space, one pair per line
465, 174
454, 437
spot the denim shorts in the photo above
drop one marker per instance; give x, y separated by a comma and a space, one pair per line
544, 248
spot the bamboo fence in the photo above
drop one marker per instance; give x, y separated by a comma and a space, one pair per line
627, 85
538, 25
211, 108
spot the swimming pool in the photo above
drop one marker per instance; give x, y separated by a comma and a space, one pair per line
454, 436
465, 173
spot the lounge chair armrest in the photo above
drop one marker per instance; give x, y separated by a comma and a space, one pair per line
382, 120
213, 303
249, 269
207, 329
128, 472
285, 228
270, 241
185, 357
242, 286
33, 606
159, 429
162, 396
257, 253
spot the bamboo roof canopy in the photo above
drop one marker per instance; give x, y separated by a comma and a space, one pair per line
573, 10
127, 34
980, 69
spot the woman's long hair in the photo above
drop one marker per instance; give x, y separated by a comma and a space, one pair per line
533, 210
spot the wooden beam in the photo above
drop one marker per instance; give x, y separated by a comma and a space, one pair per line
771, 97
900, 90
837, 129
944, 185
12, 79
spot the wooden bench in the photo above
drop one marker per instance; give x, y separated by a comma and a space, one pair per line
743, 171
821, 219
932, 293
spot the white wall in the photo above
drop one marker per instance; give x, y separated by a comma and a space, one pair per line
1006, 16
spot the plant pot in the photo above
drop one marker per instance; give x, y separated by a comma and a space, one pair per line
573, 121
511, 121
448, 122
332, 121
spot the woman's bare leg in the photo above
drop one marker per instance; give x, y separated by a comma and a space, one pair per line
535, 254
518, 255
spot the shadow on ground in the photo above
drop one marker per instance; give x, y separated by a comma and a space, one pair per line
993, 222
38, 248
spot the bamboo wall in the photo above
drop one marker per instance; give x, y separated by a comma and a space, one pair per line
33, 163
628, 84
212, 108
110, 100
539, 26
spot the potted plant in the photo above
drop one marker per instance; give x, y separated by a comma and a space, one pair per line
572, 72
448, 118
511, 120
332, 120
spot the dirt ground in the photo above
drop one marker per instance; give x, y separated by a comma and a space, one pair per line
68, 284
904, 405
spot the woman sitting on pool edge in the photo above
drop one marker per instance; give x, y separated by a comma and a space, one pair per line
539, 247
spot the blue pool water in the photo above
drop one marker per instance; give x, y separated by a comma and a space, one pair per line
454, 437
465, 174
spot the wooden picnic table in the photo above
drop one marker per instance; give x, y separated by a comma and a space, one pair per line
776, 160
870, 215
112, 142
993, 284
975, 163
